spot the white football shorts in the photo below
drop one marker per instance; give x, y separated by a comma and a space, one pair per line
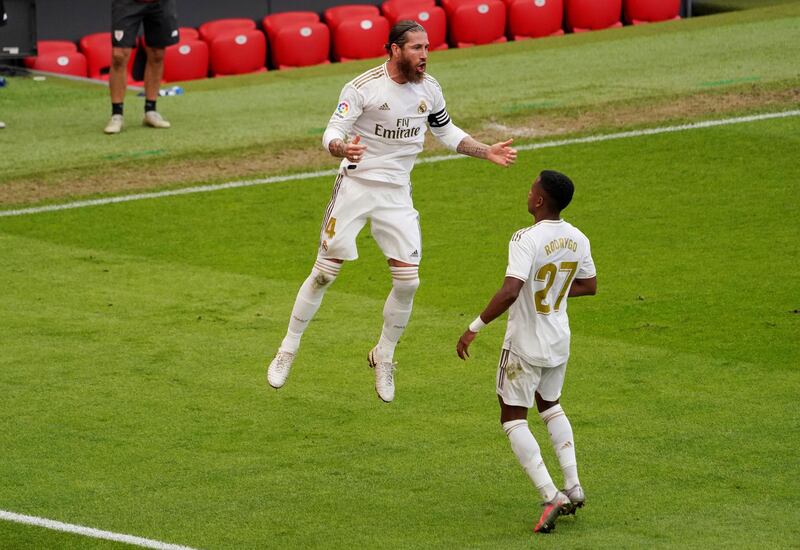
518, 381
389, 209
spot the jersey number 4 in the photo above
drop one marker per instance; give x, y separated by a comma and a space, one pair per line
547, 274
330, 229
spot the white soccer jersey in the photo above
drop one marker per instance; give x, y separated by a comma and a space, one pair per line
548, 256
391, 119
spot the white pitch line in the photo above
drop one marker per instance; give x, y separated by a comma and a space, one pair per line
89, 531
426, 160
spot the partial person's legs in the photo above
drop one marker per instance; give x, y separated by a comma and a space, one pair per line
515, 423
396, 313
344, 218
153, 72
397, 309
396, 229
560, 430
306, 304
118, 74
117, 84
308, 301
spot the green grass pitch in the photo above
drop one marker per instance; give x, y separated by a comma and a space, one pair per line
134, 337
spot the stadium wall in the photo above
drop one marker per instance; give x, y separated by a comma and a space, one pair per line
72, 19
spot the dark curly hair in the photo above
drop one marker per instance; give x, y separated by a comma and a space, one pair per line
558, 187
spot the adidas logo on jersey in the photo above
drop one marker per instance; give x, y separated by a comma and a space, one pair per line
384, 107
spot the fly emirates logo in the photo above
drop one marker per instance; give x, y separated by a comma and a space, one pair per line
404, 130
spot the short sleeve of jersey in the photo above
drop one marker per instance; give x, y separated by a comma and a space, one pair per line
520, 259
439, 103
586, 269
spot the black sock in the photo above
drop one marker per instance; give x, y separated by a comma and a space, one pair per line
116, 108
149, 105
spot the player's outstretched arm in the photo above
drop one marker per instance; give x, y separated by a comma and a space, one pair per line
499, 304
352, 151
501, 153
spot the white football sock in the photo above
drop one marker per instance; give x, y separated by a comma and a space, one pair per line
308, 300
397, 310
560, 431
529, 455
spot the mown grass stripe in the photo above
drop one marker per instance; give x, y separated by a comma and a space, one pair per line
427, 160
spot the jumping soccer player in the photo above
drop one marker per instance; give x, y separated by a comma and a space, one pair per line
378, 129
160, 21
547, 262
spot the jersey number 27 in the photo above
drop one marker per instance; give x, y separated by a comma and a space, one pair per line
547, 274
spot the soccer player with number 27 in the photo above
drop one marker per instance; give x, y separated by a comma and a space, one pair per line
547, 263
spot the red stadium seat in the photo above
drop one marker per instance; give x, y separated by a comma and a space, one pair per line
360, 38
535, 18
432, 18
187, 60
69, 63
391, 8
189, 33
275, 22
475, 22
651, 11
97, 49
55, 46
219, 27
239, 53
300, 45
593, 15
45, 47
336, 15
449, 4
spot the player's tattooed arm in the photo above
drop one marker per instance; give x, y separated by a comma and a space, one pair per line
336, 147
501, 153
472, 148
352, 151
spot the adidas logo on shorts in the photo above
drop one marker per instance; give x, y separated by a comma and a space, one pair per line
384, 107
415, 254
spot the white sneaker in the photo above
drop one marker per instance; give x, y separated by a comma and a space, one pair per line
2, 124
279, 369
155, 120
114, 125
384, 375
576, 497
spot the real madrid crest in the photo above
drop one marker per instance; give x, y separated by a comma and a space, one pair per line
422, 106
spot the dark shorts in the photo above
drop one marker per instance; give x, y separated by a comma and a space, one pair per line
160, 20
